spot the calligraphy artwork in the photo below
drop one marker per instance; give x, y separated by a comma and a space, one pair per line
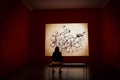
71, 38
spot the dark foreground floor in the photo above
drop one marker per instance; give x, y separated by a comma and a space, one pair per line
77, 72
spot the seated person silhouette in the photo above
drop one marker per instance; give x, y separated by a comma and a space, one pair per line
57, 59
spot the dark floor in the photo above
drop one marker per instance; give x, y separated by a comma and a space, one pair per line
74, 72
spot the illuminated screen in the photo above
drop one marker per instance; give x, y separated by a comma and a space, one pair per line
71, 38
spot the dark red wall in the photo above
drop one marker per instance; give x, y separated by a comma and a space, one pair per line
14, 29
42, 17
21, 33
111, 33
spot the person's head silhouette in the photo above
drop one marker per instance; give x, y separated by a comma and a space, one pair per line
56, 49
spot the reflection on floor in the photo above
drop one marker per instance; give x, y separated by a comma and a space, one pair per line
68, 73
44, 72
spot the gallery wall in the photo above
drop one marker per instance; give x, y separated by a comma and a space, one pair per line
111, 33
14, 29
41, 17
22, 34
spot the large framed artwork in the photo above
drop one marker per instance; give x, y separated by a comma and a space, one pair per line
71, 38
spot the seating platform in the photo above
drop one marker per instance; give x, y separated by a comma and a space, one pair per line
72, 64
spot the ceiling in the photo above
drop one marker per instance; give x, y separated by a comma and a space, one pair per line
64, 4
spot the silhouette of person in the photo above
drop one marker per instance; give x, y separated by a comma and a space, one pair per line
57, 59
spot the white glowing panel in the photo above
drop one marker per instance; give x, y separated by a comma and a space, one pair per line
71, 38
